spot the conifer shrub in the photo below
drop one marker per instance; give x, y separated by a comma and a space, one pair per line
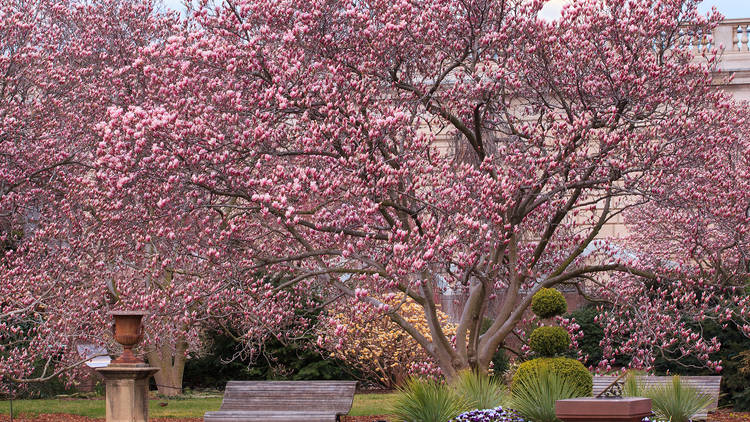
570, 371
548, 303
549, 341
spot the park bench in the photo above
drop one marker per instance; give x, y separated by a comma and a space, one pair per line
284, 401
710, 385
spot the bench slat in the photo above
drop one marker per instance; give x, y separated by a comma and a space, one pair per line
235, 416
339, 407
279, 401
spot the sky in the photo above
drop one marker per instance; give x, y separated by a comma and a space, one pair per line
174, 4
731, 9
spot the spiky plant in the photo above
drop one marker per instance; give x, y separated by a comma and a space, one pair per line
479, 391
534, 396
676, 401
427, 401
632, 387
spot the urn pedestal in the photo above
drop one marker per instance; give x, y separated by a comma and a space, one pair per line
126, 378
608, 409
127, 392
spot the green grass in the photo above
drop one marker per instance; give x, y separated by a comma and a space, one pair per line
364, 404
95, 408
372, 404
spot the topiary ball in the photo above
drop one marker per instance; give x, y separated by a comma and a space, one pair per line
549, 341
547, 303
570, 370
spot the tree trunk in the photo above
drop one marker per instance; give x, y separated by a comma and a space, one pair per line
171, 364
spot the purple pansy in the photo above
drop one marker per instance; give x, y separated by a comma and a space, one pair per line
497, 414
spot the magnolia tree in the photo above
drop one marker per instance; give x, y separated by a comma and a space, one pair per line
696, 230
32, 158
63, 64
265, 158
27, 159
309, 139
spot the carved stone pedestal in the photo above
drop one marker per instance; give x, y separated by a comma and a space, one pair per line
127, 392
589, 409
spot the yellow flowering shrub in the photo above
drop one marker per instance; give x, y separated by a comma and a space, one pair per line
371, 342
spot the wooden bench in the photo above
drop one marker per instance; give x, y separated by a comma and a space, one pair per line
284, 401
710, 385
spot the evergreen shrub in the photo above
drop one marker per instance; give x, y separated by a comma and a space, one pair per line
548, 303
549, 341
570, 371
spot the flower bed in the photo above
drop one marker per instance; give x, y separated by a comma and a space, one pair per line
497, 414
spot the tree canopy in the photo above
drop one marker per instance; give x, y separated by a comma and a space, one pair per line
258, 157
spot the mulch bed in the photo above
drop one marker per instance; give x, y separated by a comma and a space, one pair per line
729, 416
720, 416
57, 417
75, 418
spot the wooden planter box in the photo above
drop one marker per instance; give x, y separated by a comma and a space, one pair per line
605, 409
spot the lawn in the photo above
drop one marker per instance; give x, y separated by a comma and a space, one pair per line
364, 405
372, 404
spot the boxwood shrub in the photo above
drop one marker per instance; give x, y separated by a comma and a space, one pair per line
549, 341
571, 370
547, 303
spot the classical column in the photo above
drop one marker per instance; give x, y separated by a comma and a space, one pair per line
127, 392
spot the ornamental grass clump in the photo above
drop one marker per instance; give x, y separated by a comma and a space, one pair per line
673, 402
535, 394
479, 391
428, 400
631, 387
421, 400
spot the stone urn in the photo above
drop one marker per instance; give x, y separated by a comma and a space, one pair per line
128, 331
126, 378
